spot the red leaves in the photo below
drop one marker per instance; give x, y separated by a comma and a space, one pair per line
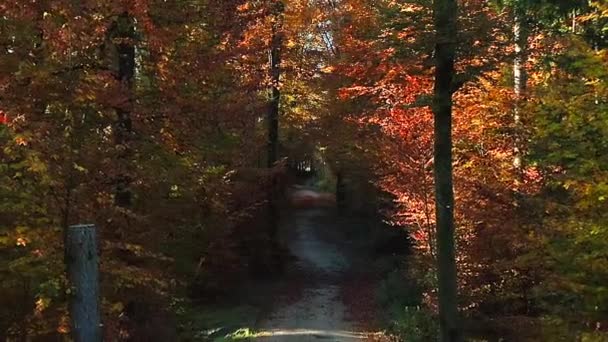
387, 83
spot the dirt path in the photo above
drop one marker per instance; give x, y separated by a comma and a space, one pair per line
316, 312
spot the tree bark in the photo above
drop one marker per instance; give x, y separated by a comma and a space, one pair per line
275, 77
276, 42
340, 192
445, 12
520, 39
125, 49
83, 274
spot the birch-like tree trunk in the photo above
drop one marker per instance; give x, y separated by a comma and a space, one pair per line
520, 39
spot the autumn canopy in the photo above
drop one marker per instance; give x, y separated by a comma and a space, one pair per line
456, 152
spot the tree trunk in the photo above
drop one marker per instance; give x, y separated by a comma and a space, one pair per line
125, 49
340, 192
520, 39
445, 12
275, 77
273, 110
83, 273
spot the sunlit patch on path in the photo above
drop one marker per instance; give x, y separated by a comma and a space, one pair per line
319, 310
318, 313
311, 334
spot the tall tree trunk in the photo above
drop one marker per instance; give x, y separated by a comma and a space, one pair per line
125, 49
445, 12
276, 42
520, 39
275, 77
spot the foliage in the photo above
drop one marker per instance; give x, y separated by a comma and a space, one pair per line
60, 157
397, 292
503, 258
569, 122
413, 323
356, 83
211, 323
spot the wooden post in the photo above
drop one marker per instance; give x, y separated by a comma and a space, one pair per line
83, 274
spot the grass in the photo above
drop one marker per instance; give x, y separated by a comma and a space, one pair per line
242, 334
214, 323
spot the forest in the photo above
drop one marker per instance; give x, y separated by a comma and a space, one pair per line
294, 170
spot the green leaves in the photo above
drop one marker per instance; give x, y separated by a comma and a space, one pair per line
570, 121
568, 117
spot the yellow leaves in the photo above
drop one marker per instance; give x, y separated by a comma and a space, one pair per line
407, 7
568, 184
117, 307
601, 11
197, 34
80, 168
21, 242
20, 140
291, 43
42, 303
328, 69
86, 97
36, 165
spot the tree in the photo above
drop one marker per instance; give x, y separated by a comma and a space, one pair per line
274, 100
445, 12
520, 43
524, 15
569, 123
123, 37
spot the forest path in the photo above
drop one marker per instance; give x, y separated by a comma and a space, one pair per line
312, 308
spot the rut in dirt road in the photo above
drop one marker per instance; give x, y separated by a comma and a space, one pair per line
318, 312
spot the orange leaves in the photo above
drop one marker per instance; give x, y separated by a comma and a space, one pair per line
328, 69
389, 82
351, 92
244, 7
21, 140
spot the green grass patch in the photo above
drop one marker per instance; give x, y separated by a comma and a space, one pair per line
213, 323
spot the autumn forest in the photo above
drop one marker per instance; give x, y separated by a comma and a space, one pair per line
294, 170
